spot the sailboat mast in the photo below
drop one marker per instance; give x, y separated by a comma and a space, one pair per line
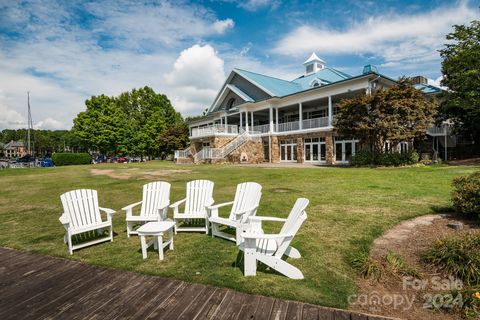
29, 120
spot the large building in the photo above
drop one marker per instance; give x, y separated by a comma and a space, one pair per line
14, 149
258, 118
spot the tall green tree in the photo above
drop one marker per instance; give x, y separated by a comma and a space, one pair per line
102, 126
399, 113
148, 115
461, 74
173, 138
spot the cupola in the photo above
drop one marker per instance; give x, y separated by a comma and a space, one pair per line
313, 64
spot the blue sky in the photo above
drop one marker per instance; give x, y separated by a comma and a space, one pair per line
63, 52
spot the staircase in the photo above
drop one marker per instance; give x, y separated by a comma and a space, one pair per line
208, 153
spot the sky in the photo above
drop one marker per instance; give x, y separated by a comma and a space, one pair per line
63, 52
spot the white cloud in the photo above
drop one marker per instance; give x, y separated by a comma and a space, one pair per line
221, 26
124, 45
197, 75
397, 39
254, 5
10, 118
49, 124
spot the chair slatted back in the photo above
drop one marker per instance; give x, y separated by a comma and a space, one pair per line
294, 221
199, 195
81, 206
155, 194
248, 195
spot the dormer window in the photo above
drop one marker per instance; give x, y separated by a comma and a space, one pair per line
230, 103
315, 83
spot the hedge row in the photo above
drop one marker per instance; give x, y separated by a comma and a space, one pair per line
65, 159
367, 158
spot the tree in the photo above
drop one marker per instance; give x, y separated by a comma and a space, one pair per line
148, 115
173, 138
461, 74
400, 113
101, 127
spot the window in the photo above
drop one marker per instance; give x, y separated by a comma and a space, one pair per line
316, 84
230, 103
309, 68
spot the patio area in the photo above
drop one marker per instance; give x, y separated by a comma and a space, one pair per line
40, 287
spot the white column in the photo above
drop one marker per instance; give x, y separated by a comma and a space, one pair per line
271, 120
241, 121
330, 111
276, 119
251, 114
246, 121
226, 122
300, 116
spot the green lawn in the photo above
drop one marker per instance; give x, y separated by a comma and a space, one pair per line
348, 208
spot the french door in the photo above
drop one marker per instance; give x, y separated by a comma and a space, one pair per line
344, 150
315, 150
288, 151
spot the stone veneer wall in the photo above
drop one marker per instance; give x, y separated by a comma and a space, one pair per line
328, 135
253, 149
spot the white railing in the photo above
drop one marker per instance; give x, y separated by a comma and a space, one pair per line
262, 128
220, 153
438, 131
183, 153
315, 123
214, 130
289, 126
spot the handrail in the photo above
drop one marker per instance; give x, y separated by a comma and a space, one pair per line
214, 129
221, 153
183, 153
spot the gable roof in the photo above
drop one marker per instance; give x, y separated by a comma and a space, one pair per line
312, 58
427, 88
14, 144
275, 87
327, 75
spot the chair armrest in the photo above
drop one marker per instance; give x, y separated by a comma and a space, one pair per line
250, 235
64, 219
212, 210
219, 205
131, 206
178, 203
260, 218
108, 211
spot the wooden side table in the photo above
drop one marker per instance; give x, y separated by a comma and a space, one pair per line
156, 230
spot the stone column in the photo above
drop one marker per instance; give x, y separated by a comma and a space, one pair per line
275, 150
300, 150
330, 156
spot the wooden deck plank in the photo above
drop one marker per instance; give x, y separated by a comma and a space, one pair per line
279, 310
193, 308
248, 308
171, 300
162, 293
228, 309
208, 310
188, 295
294, 310
39, 287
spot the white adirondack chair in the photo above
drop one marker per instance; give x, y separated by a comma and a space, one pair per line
155, 201
245, 204
270, 248
199, 195
82, 214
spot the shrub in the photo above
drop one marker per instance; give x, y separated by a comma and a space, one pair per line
366, 158
65, 159
466, 194
459, 257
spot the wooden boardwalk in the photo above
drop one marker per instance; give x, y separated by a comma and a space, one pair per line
33, 286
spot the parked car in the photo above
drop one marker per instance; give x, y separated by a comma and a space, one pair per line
46, 163
122, 160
